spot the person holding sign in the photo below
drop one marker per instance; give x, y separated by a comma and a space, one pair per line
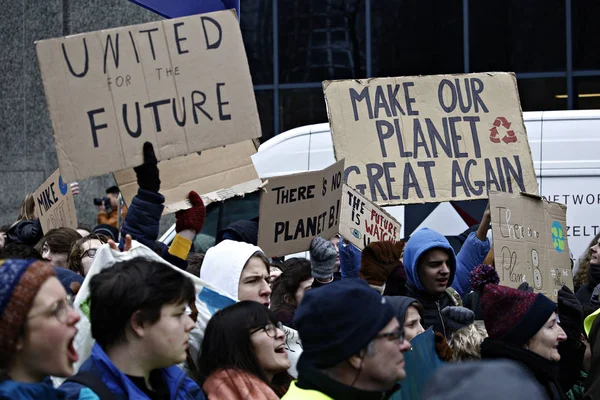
143, 219
353, 345
432, 267
27, 229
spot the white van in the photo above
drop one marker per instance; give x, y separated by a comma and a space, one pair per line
564, 147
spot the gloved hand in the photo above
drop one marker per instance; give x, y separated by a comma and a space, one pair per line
443, 350
322, 258
147, 174
349, 260
456, 317
594, 300
525, 287
570, 313
192, 218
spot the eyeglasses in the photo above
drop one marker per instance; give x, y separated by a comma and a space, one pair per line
91, 253
59, 310
397, 335
270, 329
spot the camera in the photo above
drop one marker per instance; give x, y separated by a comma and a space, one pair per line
106, 200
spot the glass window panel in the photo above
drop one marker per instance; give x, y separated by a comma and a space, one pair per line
517, 35
321, 39
543, 94
257, 32
300, 107
264, 102
417, 37
587, 91
586, 34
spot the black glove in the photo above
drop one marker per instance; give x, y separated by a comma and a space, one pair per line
147, 173
570, 312
456, 317
525, 287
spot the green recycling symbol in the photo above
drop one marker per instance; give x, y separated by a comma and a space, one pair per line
558, 237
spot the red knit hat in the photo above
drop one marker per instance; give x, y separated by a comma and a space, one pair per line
514, 315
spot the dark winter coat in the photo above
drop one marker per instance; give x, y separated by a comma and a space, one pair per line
143, 221
545, 371
584, 294
27, 232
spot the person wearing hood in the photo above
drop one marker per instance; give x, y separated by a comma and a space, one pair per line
37, 330
523, 327
431, 267
353, 345
584, 294
409, 313
239, 269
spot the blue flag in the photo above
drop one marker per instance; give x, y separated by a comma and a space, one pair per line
183, 8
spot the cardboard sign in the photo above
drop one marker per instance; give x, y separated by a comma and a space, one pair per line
183, 8
431, 138
54, 204
182, 84
530, 242
213, 170
362, 222
296, 208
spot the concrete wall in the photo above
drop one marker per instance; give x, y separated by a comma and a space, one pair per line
26, 140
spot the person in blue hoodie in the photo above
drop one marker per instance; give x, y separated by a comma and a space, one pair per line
438, 278
37, 330
139, 321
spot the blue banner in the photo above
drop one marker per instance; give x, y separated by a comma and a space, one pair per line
183, 8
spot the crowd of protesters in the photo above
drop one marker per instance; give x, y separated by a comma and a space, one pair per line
360, 316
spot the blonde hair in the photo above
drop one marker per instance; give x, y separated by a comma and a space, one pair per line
27, 210
466, 342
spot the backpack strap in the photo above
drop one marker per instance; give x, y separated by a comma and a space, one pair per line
454, 297
94, 382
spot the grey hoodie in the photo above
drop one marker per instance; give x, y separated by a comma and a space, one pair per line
483, 380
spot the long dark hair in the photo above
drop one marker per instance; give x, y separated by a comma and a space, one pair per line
227, 343
295, 271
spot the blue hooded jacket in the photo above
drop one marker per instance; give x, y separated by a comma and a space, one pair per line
180, 386
471, 254
10, 389
142, 223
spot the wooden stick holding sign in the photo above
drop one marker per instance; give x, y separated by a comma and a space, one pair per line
431, 138
54, 204
362, 222
530, 242
182, 84
296, 208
